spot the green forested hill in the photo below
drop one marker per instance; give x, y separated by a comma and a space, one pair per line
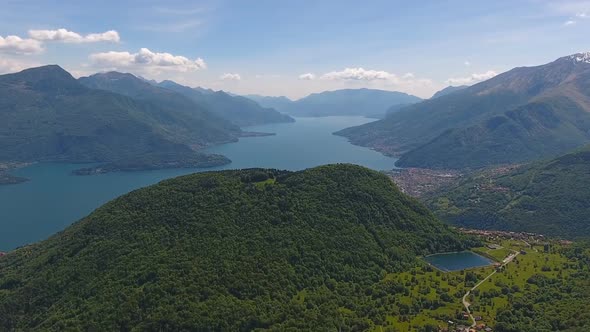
47, 115
549, 197
232, 250
524, 114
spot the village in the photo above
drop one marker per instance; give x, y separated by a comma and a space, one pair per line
419, 181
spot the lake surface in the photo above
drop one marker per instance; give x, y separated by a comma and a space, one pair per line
53, 199
457, 261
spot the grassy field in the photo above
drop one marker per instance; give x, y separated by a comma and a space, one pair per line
445, 290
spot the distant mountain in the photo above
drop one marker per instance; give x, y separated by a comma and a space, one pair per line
130, 85
47, 115
549, 197
227, 251
278, 103
448, 90
239, 110
523, 114
364, 102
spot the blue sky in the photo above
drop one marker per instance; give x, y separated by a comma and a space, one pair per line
294, 48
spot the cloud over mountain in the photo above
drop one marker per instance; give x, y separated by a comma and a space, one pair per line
146, 59
307, 77
18, 45
473, 78
230, 77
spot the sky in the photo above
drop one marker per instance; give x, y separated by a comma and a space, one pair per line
293, 48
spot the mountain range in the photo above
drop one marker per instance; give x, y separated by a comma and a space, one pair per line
547, 197
232, 251
363, 102
521, 115
237, 109
47, 115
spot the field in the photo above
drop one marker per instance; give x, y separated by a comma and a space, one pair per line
444, 291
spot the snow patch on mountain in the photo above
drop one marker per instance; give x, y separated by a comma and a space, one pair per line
581, 57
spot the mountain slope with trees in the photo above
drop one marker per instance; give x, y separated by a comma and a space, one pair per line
549, 197
523, 114
231, 250
47, 115
236, 109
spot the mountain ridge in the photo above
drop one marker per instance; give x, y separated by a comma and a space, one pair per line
343, 102
442, 125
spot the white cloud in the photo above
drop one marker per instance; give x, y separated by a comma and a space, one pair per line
66, 36
473, 78
230, 77
358, 74
408, 75
307, 77
582, 15
570, 22
18, 45
146, 59
467, 63
11, 65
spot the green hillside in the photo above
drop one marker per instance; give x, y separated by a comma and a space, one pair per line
236, 109
47, 115
231, 250
544, 128
523, 114
548, 197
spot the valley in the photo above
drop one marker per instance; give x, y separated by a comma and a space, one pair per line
312, 166
61, 198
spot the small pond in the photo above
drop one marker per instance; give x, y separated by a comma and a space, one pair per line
456, 261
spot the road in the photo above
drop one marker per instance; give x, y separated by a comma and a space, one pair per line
467, 304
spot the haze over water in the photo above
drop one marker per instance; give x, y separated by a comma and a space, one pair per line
53, 199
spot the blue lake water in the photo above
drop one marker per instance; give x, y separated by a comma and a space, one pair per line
456, 261
53, 199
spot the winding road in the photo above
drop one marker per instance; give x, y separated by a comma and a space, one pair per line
467, 304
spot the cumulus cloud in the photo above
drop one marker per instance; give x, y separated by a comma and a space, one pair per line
570, 22
582, 15
147, 59
307, 77
358, 74
467, 63
473, 78
230, 77
376, 76
18, 45
8, 65
66, 36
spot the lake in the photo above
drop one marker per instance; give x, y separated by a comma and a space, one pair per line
53, 199
456, 261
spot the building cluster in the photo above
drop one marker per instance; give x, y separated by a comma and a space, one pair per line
419, 181
493, 235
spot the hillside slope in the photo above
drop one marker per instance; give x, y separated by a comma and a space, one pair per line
47, 115
491, 122
231, 250
203, 119
549, 197
448, 90
236, 109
